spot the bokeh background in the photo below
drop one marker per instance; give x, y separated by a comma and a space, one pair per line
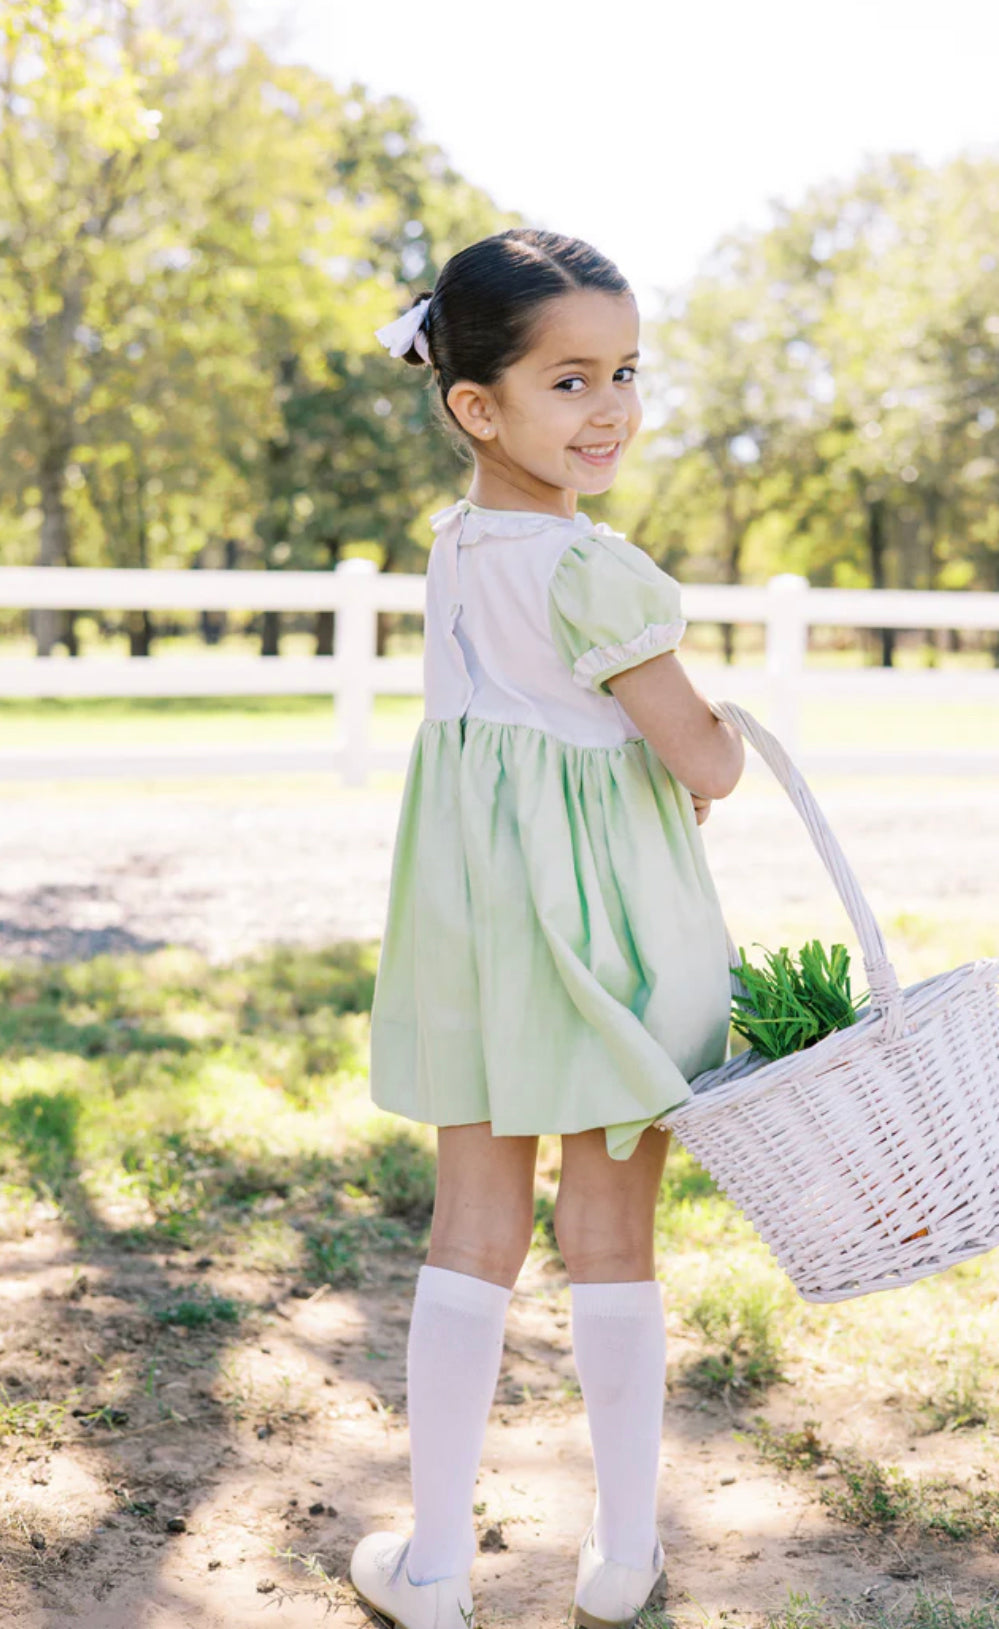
208, 1236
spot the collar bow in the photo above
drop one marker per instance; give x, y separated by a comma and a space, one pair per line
487, 523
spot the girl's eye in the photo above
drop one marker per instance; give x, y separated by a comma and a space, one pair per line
629, 369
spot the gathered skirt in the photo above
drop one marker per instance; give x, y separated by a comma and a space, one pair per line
554, 957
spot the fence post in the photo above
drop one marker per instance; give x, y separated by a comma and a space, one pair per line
787, 644
355, 649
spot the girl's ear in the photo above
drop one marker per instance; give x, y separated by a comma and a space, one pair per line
473, 407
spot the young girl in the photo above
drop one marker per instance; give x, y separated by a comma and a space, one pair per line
555, 957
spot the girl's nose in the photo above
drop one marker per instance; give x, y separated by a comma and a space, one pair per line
610, 413
612, 417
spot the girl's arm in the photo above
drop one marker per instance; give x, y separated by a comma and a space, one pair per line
703, 752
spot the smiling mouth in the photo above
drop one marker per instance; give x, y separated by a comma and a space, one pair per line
601, 452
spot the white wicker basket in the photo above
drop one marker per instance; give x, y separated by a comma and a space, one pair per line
870, 1159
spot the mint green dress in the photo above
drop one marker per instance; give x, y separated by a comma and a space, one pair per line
554, 957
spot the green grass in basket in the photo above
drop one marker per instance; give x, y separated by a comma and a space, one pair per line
790, 1004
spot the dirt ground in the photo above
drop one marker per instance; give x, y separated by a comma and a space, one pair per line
227, 866
293, 1439
273, 1448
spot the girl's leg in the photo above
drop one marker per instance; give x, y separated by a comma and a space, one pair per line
481, 1231
604, 1216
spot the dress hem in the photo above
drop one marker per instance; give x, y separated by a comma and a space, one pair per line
610, 1129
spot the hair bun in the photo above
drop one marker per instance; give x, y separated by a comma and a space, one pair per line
413, 356
405, 335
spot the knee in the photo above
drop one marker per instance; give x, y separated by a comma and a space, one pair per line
496, 1252
601, 1246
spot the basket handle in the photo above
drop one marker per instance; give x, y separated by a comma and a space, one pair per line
886, 993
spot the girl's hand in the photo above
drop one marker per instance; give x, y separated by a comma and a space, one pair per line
702, 808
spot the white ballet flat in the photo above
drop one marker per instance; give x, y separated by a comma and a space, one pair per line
610, 1595
378, 1573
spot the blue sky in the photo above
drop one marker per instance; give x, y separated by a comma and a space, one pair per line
652, 128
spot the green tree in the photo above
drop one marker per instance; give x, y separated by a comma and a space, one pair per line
359, 453
190, 292
825, 388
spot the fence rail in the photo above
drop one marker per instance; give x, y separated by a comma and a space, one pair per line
787, 607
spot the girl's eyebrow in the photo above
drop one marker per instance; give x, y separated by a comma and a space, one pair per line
583, 361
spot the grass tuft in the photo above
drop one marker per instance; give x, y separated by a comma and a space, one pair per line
922, 1612
196, 1314
961, 1403
790, 1450
34, 1417
742, 1323
398, 1170
877, 1497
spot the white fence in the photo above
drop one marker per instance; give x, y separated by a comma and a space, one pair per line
787, 606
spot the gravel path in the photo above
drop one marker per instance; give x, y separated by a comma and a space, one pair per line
228, 866
224, 870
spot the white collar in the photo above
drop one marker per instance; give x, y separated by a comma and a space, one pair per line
480, 523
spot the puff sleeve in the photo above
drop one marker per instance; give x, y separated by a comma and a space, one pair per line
610, 608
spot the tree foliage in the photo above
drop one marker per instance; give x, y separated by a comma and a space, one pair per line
197, 243
827, 389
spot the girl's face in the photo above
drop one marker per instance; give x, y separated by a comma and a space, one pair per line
558, 421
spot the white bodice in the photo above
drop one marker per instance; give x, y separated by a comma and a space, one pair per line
489, 651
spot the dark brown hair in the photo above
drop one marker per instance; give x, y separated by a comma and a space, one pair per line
484, 307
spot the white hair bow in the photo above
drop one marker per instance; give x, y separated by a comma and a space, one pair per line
406, 331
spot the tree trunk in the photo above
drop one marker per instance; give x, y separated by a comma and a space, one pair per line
270, 638
326, 620
733, 563
58, 435
141, 630
214, 625
386, 622
324, 633
141, 633
932, 504
53, 542
877, 548
69, 635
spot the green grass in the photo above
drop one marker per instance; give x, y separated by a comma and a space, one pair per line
196, 1314
311, 720
167, 720
897, 726
400, 1172
35, 1418
925, 1612
190, 1101
877, 1496
791, 1450
882, 1496
163, 1103
743, 1328
962, 1401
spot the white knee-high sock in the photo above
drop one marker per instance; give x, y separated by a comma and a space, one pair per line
619, 1345
452, 1365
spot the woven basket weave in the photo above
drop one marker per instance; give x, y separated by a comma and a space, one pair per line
870, 1159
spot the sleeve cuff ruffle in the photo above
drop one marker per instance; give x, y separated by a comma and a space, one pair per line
604, 662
